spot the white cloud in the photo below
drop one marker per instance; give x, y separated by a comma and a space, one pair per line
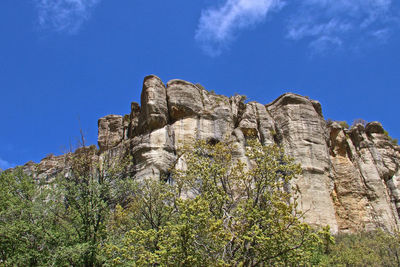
64, 15
335, 22
324, 24
5, 164
308, 28
218, 25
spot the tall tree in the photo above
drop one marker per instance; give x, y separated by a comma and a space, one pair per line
217, 211
82, 200
26, 237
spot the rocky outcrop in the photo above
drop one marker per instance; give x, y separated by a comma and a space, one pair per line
365, 167
154, 110
351, 177
303, 133
184, 100
111, 131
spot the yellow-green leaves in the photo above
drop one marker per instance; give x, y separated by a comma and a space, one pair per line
214, 210
375, 248
219, 211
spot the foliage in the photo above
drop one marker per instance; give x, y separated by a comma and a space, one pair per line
216, 211
359, 121
127, 118
243, 98
23, 229
198, 85
376, 248
82, 200
392, 140
344, 124
61, 220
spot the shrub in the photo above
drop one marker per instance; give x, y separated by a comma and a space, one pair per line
361, 121
393, 141
200, 86
376, 248
344, 124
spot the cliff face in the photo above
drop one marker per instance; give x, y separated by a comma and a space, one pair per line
351, 178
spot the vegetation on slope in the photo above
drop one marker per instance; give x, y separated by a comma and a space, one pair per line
216, 212
211, 211
376, 248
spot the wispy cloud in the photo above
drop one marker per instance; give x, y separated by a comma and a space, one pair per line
219, 25
5, 164
324, 24
332, 23
64, 15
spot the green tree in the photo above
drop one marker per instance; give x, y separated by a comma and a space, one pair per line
61, 221
82, 199
26, 230
134, 230
217, 211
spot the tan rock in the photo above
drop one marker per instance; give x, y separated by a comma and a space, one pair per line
154, 110
303, 135
110, 132
184, 99
351, 177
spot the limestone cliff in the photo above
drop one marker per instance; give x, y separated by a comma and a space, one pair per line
351, 177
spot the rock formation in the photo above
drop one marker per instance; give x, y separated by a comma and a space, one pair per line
351, 177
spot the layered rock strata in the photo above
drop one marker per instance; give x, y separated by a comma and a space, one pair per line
351, 177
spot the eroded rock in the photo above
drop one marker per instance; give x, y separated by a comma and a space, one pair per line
304, 137
110, 132
351, 177
154, 109
184, 99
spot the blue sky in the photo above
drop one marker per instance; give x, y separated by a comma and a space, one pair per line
66, 63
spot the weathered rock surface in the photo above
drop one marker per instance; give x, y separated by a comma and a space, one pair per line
184, 100
111, 131
154, 110
350, 180
302, 132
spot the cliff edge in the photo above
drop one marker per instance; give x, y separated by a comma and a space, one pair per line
351, 177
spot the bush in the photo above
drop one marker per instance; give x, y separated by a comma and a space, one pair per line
393, 141
344, 124
200, 86
359, 121
377, 248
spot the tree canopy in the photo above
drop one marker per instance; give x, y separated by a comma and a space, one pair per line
216, 210
213, 209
